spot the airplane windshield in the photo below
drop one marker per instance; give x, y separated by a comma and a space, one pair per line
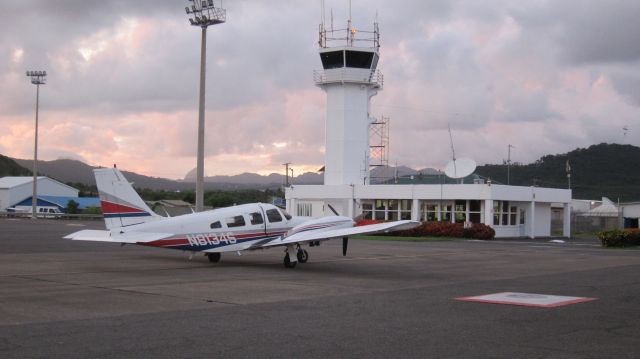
273, 215
286, 214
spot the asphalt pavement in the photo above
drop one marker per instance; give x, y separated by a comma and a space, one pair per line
65, 299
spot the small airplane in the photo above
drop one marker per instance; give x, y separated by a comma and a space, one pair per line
231, 229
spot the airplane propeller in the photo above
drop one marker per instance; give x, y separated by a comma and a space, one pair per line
345, 240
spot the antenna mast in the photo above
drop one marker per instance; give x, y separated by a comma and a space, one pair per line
453, 151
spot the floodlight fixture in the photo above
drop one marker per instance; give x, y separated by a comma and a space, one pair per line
203, 13
37, 78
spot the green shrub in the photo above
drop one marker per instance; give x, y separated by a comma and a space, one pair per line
619, 238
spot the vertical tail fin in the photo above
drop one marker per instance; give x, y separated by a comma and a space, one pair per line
121, 205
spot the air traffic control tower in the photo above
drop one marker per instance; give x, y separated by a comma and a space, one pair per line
350, 79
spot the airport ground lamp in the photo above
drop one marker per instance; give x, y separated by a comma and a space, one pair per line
37, 78
203, 13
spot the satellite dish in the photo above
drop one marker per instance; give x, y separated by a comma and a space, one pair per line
460, 168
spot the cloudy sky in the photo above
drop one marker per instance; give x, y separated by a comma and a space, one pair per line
544, 76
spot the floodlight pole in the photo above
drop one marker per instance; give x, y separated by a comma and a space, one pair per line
204, 13
37, 78
200, 161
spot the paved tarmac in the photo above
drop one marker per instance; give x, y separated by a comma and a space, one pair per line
64, 299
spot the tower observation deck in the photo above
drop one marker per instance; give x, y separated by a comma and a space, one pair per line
350, 78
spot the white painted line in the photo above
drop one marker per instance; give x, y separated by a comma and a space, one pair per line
527, 299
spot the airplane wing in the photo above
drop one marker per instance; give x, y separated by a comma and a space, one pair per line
106, 236
341, 232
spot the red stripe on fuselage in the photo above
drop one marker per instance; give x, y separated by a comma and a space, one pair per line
109, 207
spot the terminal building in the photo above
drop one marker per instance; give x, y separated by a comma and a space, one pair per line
350, 79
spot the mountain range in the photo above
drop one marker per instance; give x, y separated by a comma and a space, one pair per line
610, 170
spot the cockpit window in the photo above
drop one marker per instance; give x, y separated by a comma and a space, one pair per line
273, 215
216, 224
286, 214
236, 221
256, 218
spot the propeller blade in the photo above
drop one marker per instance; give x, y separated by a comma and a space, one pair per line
333, 209
345, 243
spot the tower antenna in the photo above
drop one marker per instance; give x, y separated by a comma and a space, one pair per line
453, 150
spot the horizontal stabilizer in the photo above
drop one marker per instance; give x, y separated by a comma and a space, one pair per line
107, 236
342, 232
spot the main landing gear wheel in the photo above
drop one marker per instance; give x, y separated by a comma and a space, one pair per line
214, 257
288, 263
303, 256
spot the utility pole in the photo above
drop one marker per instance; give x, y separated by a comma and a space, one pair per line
37, 78
568, 170
204, 14
286, 171
509, 147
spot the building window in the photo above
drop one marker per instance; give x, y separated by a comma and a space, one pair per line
504, 214
367, 211
392, 210
304, 209
430, 212
460, 209
405, 209
387, 209
380, 209
446, 212
475, 211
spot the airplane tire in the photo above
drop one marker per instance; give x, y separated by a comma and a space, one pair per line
288, 263
303, 256
214, 257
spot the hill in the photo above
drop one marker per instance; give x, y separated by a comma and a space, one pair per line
609, 170
9, 167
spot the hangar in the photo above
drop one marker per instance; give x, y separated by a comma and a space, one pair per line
14, 190
350, 79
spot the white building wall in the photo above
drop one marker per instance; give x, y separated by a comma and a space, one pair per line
347, 199
631, 210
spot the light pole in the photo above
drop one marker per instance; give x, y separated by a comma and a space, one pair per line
203, 13
509, 147
37, 78
286, 173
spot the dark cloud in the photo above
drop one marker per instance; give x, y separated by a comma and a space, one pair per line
542, 75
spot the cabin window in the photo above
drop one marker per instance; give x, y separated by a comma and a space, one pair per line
359, 59
273, 215
235, 221
216, 224
256, 218
332, 59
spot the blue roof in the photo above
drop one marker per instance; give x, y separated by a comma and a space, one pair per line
62, 201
